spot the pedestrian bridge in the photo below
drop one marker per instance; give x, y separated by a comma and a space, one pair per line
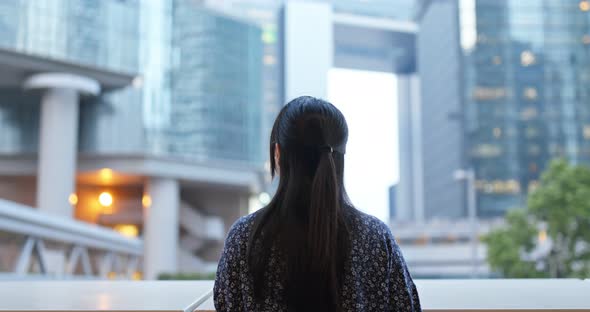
178, 296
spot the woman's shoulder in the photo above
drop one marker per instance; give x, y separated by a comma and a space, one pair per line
236, 241
369, 224
242, 226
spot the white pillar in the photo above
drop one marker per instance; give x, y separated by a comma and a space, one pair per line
410, 190
58, 137
309, 48
160, 227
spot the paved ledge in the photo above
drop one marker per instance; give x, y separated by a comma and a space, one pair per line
85, 296
178, 296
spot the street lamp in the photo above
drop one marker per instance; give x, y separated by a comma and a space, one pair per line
468, 175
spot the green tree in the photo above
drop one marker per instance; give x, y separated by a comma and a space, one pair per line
558, 215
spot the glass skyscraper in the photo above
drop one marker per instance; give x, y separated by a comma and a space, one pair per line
78, 31
198, 89
216, 86
508, 81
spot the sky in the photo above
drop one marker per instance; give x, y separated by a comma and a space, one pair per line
368, 101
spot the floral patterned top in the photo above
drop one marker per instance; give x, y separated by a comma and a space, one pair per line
377, 278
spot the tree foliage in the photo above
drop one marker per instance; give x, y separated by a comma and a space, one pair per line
550, 237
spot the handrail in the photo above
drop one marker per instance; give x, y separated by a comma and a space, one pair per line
18, 218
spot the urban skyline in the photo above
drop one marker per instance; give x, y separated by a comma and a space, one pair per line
506, 92
170, 104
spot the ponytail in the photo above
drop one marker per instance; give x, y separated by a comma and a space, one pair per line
324, 215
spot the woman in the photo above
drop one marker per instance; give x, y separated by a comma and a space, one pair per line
309, 249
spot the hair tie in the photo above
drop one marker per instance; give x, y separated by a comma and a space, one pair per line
326, 148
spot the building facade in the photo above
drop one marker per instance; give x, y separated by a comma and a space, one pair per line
216, 86
442, 140
507, 92
133, 115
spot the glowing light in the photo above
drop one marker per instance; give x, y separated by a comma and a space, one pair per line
127, 230
112, 275
269, 35
137, 82
584, 5
137, 276
106, 174
264, 198
498, 186
542, 236
146, 200
105, 199
73, 199
527, 58
530, 93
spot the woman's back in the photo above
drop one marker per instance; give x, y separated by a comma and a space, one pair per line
309, 249
375, 274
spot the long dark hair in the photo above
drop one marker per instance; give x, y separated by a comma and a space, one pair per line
306, 219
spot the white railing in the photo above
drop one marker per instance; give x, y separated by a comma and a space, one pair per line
487, 295
435, 296
59, 247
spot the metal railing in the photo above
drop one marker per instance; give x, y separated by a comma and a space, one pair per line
37, 244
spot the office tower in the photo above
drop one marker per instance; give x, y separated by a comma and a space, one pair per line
504, 89
216, 86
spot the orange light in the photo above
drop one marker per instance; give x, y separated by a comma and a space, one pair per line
105, 199
106, 174
73, 199
584, 5
542, 236
137, 276
146, 200
112, 275
127, 230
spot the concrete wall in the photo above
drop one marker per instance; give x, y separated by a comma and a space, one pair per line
22, 190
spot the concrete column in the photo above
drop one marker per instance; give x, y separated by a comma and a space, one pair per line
160, 226
309, 48
58, 137
410, 189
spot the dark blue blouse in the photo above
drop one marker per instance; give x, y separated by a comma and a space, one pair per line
377, 278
